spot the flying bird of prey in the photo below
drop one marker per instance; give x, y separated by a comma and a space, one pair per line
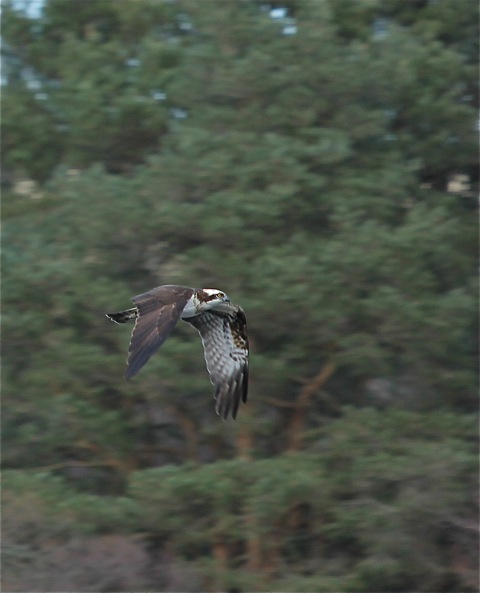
222, 327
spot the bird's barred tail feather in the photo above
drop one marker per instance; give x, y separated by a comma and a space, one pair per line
123, 316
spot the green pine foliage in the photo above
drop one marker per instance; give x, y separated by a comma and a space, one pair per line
318, 162
379, 498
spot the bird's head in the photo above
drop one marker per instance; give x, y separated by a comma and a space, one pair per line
211, 297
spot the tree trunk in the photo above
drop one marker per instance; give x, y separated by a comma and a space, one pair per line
244, 435
190, 431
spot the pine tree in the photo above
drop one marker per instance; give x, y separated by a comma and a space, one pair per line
317, 162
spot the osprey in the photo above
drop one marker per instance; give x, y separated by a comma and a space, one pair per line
222, 327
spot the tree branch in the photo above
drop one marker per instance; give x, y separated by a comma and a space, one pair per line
304, 401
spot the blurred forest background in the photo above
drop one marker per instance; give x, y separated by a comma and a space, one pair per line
317, 160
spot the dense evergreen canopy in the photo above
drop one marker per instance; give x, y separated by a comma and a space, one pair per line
318, 162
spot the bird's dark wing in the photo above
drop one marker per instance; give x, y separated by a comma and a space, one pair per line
224, 336
158, 312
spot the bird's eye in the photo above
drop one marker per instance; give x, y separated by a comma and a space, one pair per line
217, 296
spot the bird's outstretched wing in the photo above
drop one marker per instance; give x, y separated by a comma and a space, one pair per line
158, 312
224, 336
